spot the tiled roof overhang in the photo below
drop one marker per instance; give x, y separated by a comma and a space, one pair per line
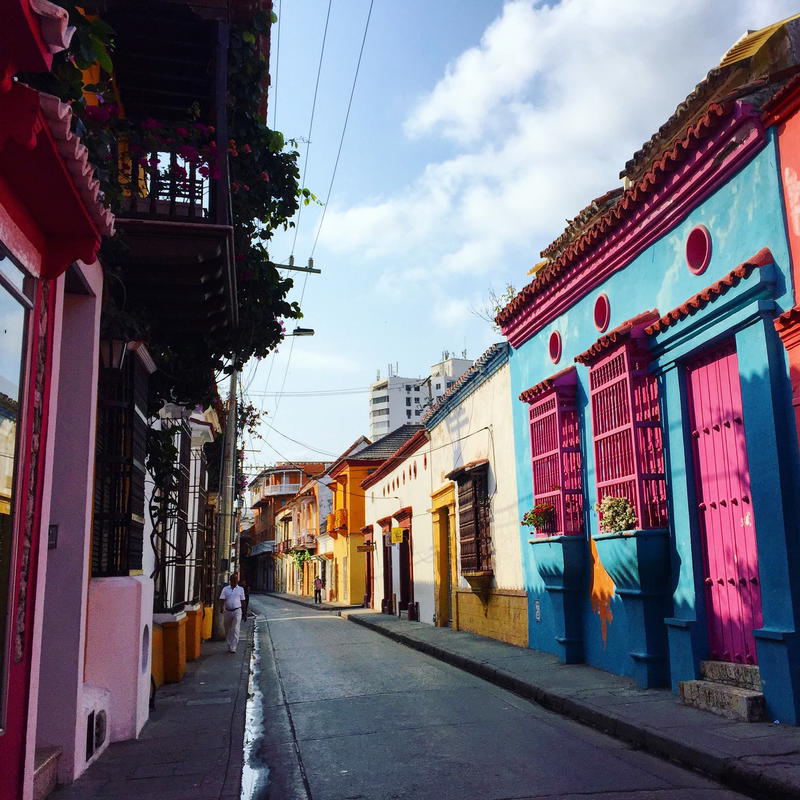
632, 327
404, 451
471, 466
761, 259
30, 33
696, 164
47, 186
565, 377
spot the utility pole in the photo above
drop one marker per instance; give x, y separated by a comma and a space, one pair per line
227, 510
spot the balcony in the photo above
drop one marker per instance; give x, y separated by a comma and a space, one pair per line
175, 211
340, 520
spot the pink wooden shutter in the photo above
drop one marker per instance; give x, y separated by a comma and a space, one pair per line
626, 422
556, 455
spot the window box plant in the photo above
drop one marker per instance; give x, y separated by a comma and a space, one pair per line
541, 517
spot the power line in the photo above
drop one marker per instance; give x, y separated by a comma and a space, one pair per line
313, 392
344, 128
277, 67
311, 123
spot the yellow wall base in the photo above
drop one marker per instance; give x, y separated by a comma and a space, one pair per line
208, 622
194, 624
503, 617
174, 650
157, 658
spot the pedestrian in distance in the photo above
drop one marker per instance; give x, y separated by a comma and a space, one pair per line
318, 586
233, 604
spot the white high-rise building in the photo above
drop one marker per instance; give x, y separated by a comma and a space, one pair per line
394, 401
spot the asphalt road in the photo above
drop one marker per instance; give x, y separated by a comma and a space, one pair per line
351, 715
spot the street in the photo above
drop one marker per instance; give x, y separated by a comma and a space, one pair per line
350, 714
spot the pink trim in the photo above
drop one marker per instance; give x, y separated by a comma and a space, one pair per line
554, 347
602, 312
661, 201
698, 249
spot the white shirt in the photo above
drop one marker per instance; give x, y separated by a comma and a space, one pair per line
233, 597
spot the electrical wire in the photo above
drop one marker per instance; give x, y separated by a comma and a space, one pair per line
311, 122
344, 129
277, 67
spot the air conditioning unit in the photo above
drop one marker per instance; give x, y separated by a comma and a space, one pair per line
96, 701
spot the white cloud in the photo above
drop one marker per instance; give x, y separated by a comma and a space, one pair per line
541, 117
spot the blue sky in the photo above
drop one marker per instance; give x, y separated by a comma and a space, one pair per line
477, 128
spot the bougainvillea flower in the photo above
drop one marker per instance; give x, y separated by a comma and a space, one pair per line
265, 176
182, 132
247, 149
189, 153
151, 124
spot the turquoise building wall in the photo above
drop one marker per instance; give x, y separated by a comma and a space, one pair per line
743, 216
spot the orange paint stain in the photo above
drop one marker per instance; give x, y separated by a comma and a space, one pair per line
602, 590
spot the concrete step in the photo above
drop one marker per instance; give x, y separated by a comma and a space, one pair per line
45, 771
745, 676
733, 702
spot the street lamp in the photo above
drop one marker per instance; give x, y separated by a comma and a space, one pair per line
301, 332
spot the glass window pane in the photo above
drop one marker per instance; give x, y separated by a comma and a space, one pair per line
12, 340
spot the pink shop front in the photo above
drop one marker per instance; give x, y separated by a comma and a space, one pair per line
647, 368
51, 225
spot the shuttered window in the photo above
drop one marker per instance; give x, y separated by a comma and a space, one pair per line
473, 521
118, 524
556, 465
628, 442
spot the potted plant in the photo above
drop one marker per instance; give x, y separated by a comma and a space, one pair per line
540, 517
616, 514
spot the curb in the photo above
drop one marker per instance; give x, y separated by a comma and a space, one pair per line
729, 771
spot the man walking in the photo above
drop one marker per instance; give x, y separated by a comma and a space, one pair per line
233, 606
318, 584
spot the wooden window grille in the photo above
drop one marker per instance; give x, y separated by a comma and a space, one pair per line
118, 523
556, 464
473, 521
628, 441
198, 499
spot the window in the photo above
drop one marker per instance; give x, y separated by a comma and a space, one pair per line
438, 385
408, 401
14, 310
408, 387
380, 412
626, 423
555, 451
416, 399
408, 414
118, 528
417, 412
416, 388
475, 542
384, 398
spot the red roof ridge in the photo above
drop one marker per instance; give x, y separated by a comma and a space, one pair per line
712, 292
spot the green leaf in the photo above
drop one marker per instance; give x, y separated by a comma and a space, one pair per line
249, 37
103, 58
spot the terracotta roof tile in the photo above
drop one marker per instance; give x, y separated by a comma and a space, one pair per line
547, 384
788, 319
711, 293
618, 335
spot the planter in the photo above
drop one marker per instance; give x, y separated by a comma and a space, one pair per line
561, 563
639, 564
480, 582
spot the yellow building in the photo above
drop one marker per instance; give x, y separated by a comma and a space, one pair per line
346, 521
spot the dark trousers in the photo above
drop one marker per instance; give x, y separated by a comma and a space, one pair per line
318, 595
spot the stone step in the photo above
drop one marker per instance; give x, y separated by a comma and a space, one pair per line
745, 676
45, 771
733, 702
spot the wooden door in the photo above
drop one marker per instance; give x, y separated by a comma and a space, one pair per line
406, 593
724, 505
387, 574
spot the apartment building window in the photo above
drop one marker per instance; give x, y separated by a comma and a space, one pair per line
438, 385
417, 412
474, 535
408, 401
408, 414
380, 412
408, 387
416, 388
556, 466
626, 427
384, 398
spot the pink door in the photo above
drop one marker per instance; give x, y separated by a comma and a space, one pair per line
725, 510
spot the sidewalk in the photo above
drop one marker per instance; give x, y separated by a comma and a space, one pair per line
191, 747
760, 759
